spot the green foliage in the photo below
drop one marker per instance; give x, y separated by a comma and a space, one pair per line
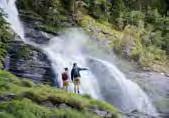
6, 115
70, 5
108, 20
5, 37
99, 9
30, 97
118, 8
52, 12
23, 52
99, 28
166, 43
49, 29
27, 109
153, 53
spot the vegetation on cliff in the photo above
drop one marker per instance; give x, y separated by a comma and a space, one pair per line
137, 29
5, 37
22, 98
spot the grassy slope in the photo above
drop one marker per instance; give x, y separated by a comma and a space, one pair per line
24, 99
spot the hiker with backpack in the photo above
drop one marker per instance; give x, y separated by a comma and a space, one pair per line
75, 77
65, 79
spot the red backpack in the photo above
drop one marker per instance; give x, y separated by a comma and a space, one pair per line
65, 76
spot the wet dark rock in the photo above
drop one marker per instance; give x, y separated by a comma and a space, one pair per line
101, 113
156, 86
35, 35
47, 104
63, 106
167, 74
29, 62
7, 97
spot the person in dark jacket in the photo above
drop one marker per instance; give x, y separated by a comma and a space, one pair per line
75, 77
65, 79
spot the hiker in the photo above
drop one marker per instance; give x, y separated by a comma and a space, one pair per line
75, 77
65, 78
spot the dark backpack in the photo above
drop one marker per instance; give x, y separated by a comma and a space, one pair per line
76, 72
65, 76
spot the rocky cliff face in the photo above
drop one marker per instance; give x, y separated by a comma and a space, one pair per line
28, 62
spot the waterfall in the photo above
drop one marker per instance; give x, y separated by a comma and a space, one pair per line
103, 80
122, 92
10, 9
66, 49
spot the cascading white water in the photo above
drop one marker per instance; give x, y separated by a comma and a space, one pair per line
10, 9
67, 48
63, 51
130, 95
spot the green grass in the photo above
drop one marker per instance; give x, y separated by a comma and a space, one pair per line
29, 98
25, 108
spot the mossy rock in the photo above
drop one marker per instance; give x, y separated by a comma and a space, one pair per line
100, 30
49, 29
